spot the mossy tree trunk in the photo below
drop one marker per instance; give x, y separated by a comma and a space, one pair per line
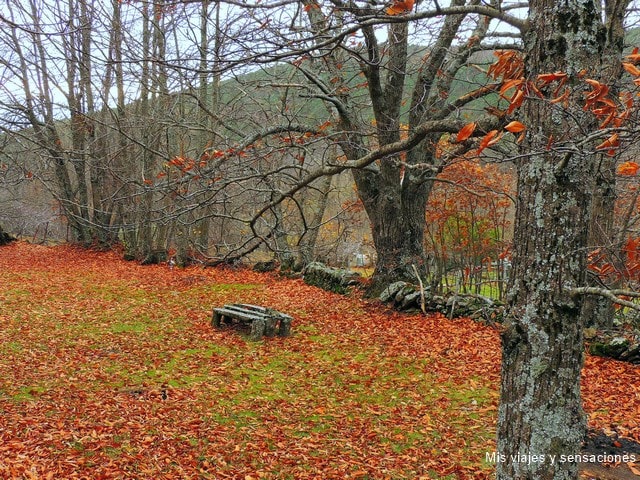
540, 409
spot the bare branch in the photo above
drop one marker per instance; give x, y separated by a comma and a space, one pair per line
613, 295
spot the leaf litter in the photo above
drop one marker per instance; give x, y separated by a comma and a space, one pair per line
111, 370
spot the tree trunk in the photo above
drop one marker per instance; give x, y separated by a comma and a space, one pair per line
396, 212
540, 411
309, 239
598, 311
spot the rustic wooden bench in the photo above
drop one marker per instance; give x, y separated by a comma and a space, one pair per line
264, 321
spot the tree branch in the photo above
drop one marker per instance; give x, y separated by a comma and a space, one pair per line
613, 295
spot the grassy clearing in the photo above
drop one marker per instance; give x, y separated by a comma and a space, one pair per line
112, 370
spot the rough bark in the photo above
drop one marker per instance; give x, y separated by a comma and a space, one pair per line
397, 226
540, 411
597, 311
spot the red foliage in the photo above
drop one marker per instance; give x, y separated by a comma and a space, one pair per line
468, 215
629, 168
611, 112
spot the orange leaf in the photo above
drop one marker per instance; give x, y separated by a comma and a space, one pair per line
561, 98
465, 132
550, 142
552, 77
621, 118
634, 56
516, 101
611, 142
400, 6
515, 127
628, 168
495, 140
488, 140
593, 83
631, 68
510, 84
608, 120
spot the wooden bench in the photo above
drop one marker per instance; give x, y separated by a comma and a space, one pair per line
264, 321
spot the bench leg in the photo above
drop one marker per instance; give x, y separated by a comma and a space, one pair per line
270, 326
257, 329
285, 327
216, 320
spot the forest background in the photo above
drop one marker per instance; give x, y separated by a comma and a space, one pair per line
211, 131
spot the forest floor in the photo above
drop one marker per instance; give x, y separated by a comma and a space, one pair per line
111, 370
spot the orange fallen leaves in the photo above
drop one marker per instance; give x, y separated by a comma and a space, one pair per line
111, 370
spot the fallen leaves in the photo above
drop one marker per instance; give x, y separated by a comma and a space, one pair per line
111, 370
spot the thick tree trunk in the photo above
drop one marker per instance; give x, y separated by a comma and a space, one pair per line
598, 312
396, 212
540, 416
398, 241
540, 411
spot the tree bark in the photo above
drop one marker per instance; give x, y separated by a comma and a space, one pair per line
396, 213
597, 311
540, 411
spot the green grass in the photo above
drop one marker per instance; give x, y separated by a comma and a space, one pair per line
88, 360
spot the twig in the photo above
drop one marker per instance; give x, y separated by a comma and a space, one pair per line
422, 299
